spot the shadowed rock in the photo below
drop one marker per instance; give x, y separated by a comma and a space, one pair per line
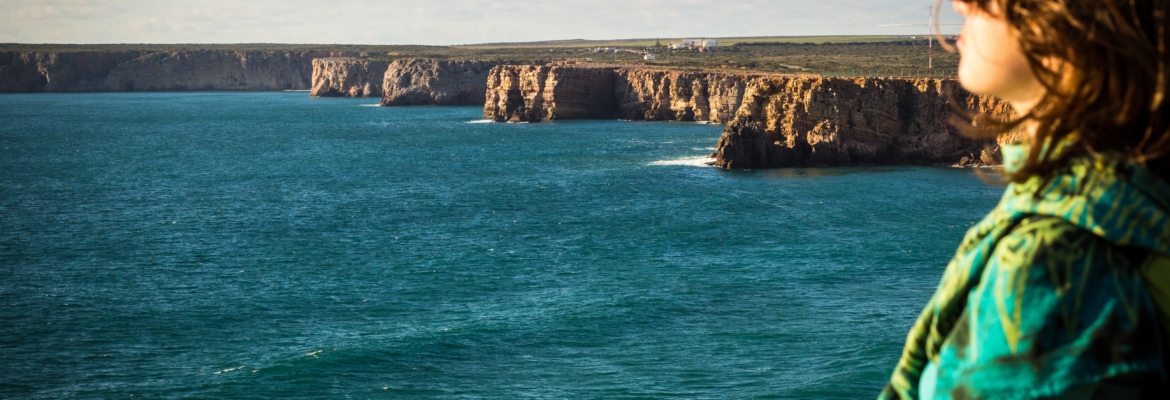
419, 81
155, 71
348, 77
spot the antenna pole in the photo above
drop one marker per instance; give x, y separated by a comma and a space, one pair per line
930, 42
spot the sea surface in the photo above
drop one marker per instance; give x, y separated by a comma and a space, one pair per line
258, 245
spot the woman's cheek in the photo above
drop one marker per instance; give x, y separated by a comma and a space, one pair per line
987, 63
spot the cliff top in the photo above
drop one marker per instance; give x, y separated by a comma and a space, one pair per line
723, 41
821, 55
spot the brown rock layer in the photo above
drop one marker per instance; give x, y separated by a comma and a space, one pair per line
538, 93
657, 95
348, 77
774, 121
813, 121
154, 71
420, 81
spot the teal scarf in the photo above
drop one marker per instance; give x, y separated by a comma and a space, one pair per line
1047, 292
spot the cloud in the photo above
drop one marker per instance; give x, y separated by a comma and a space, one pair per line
9, 34
448, 22
35, 10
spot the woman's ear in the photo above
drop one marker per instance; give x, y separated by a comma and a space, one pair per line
962, 7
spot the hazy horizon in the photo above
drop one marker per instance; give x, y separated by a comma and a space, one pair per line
453, 23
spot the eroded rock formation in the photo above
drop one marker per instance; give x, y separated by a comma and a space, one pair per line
812, 121
773, 121
550, 92
155, 71
348, 77
419, 81
537, 93
657, 95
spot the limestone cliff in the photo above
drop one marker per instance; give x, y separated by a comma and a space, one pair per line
773, 121
154, 71
657, 95
813, 121
550, 92
418, 81
348, 77
538, 93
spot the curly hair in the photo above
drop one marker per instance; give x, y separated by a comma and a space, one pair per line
1103, 65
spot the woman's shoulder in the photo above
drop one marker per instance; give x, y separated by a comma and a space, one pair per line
1050, 241
1056, 306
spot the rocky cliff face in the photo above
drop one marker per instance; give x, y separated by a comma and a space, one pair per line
348, 77
537, 93
154, 71
773, 121
419, 81
656, 95
812, 121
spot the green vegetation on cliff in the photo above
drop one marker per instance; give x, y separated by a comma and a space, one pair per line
826, 55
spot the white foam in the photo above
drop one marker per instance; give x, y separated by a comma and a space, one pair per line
686, 162
481, 121
370, 105
298, 90
228, 370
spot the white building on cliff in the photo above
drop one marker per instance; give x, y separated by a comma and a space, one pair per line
695, 44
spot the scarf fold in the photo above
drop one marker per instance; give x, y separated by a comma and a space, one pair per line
1122, 204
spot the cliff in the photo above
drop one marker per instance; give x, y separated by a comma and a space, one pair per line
154, 71
537, 93
656, 95
551, 92
812, 121
348, 77
773, 121
418, 81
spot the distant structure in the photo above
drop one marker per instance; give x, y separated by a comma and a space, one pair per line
932, 25
650, 57
703, 45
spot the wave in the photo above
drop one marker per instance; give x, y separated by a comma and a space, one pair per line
370, 105
686, 162
481, 121
298, 90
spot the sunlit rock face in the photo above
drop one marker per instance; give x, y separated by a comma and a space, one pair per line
348, 77
772, 121
533, 93
814, 121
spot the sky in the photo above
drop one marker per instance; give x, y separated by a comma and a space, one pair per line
445, 22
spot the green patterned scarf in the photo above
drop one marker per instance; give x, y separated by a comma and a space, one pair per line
1047, 292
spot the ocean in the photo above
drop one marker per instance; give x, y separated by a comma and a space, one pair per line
269, 244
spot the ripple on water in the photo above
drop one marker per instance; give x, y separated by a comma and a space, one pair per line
227, 245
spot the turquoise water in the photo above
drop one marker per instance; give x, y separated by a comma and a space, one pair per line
274, 245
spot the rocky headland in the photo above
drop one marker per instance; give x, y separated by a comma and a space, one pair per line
772, 121
128, 71
534, 93
813, 121
421, 81
348, 77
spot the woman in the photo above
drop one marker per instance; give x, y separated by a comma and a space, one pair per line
1063, 290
